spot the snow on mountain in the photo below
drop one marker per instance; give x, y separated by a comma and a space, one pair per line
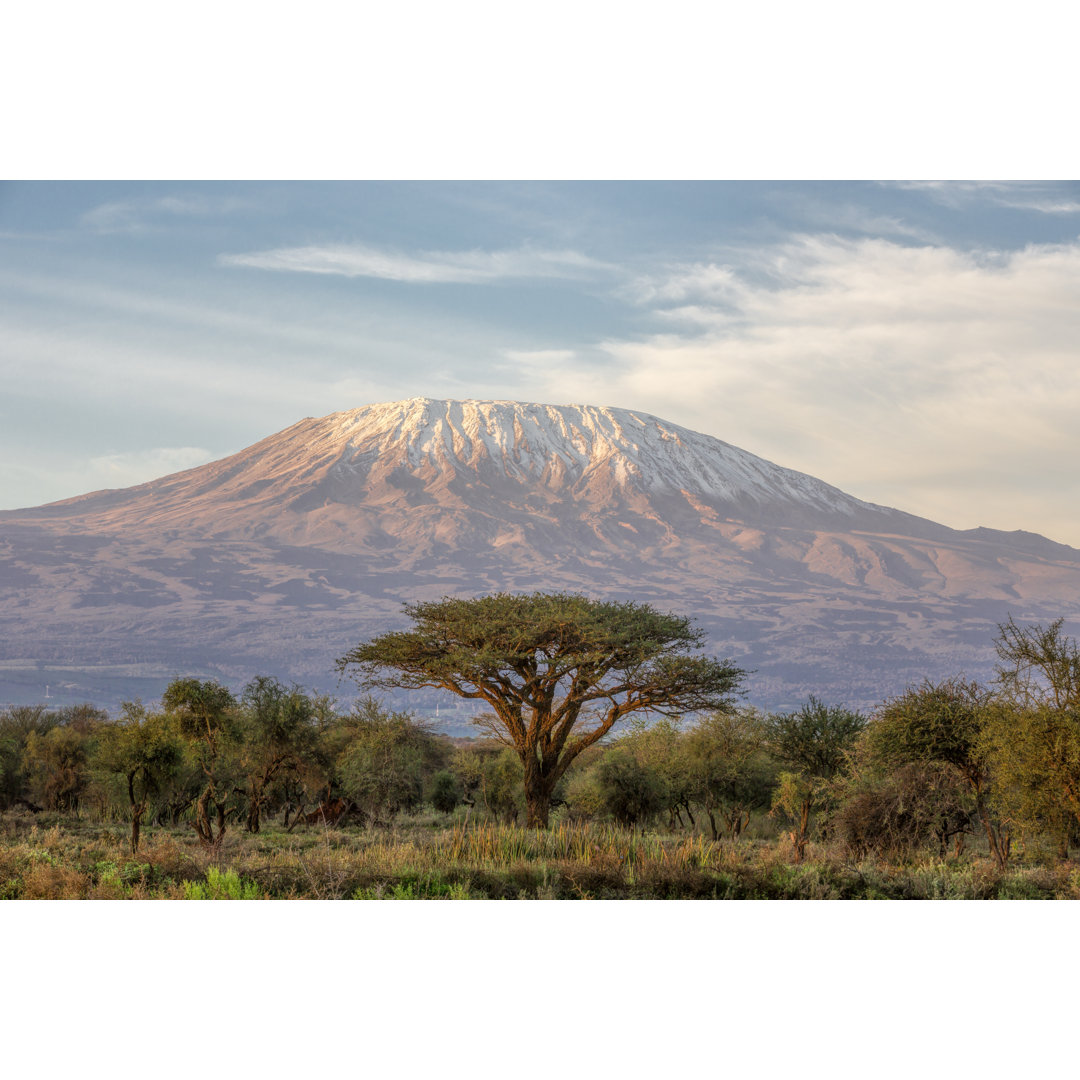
493, 457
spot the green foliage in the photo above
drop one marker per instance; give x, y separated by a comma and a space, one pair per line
632, 792
57, 761
814, 742
1039, 666
221, 886
385, 759
729, 769
204, 711
815, 739
501, 785
1031, 742
1033, 753
206, 715
278, 730
142, 746
17, 724
145, 751
943, 723
933, 722
445, 793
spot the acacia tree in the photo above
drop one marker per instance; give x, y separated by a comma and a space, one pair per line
813, 742
278, 730
144, 750
205, 712
57, 761
1033, 741
729, 770
943, 723
558, 671
382, 765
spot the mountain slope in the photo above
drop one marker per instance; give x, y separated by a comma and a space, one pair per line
280, 557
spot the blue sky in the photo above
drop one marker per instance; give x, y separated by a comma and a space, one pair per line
916, 344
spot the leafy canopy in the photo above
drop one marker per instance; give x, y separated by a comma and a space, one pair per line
543, 658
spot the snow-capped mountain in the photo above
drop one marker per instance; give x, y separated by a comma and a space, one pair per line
280, 557
457, 449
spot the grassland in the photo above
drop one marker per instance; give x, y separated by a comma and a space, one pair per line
48, 856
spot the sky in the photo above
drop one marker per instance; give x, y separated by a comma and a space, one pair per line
916, 344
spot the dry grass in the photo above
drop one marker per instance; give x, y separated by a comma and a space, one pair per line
423, 858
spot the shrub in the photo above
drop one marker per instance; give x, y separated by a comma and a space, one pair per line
445, 792
221, 886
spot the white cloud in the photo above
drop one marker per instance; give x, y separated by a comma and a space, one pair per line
943, 382
470, 267
138, 215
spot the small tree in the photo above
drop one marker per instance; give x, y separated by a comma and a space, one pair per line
445, 792
383, 764
659, 749
58, 764
145, 750
17, 724
1032, 743
558, 671
943, 722
277, 727
206, 715
631, 791
1039, 666
813, 742
501, 784
730, 772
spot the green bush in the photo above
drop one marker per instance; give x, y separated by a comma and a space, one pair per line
445, 792
221, 886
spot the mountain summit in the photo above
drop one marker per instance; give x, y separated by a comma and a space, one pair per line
503, 464
280, 557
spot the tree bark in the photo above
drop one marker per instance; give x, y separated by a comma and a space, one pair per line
538, 808
136, 824
998, 838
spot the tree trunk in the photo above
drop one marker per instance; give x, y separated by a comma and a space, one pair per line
538, 807
799, 839
538, 791
999, 838
137, 812
203, 825
202, 817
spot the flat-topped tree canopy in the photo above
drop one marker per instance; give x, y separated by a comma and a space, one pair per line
558, 670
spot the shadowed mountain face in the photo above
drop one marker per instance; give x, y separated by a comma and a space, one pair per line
279, 558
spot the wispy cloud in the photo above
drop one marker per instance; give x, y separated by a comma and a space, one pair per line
428, 267
1035, 196
138, 215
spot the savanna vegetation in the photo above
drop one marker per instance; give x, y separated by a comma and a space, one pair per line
612, 760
